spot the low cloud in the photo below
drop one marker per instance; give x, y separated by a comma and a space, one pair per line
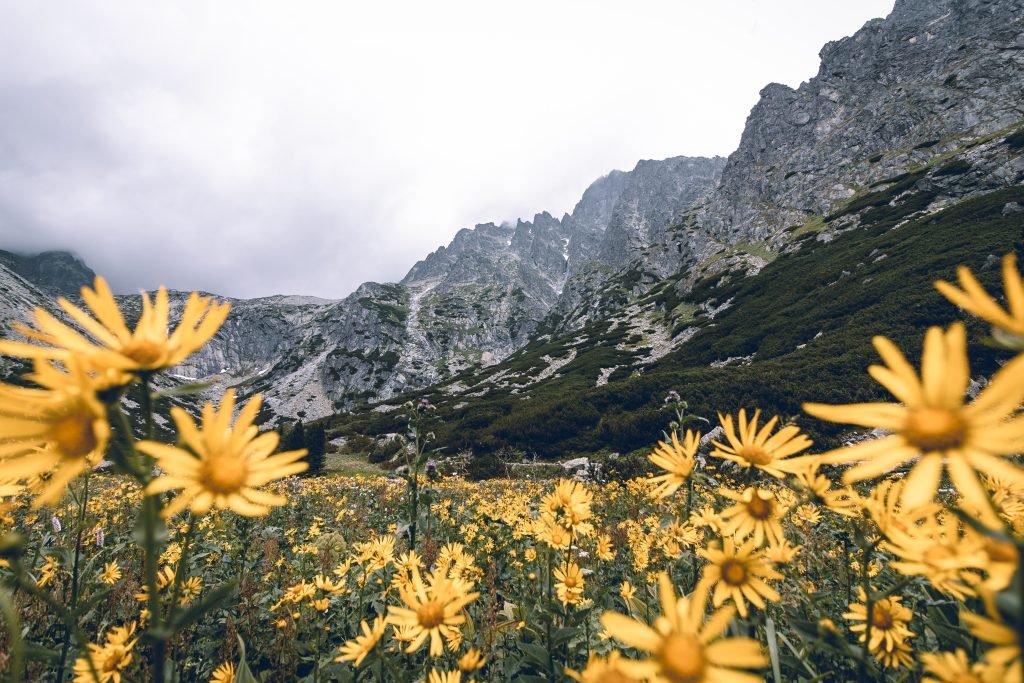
250, 149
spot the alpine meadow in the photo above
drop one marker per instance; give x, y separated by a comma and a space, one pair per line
729, 420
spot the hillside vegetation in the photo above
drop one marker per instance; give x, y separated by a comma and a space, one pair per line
803, 326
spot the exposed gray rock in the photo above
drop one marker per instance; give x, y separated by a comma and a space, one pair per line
925, 81
53, 272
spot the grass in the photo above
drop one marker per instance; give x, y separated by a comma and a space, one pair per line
350, 465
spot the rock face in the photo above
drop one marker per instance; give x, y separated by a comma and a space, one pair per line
913, 111
18, 297
931, 77
54, 272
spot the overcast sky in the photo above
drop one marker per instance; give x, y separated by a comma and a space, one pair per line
253, 148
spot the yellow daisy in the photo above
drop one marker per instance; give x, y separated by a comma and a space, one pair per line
677, 460
111, 573
472, 660
757, 513
570, 584
569, 504
224, 463
1005, 651
225, 673
146, 349
603, 670
933, 426
432, 609
682, 645
444, 676
739, 574
355, 650
954, 667
751, 447
1008, 325
59, 431
889, 622
110, 659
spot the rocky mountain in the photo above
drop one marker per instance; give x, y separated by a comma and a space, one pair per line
910, 116
467, 305
912, 89
54, 272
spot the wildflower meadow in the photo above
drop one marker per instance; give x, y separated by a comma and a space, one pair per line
751, 556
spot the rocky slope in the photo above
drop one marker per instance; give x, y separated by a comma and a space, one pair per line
916, 86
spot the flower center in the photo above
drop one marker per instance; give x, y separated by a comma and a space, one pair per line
430, 614
758, 507
881, 618
755, 455
734, 572
934, 429
682, 659
225, 474
143, 352
73, 435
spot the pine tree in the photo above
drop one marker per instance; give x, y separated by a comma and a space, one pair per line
295, 438
316, 443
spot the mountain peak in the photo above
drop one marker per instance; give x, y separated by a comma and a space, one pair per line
54, 272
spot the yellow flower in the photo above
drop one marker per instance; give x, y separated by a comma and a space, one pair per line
603, 670
1006, 651
146, 349
225, 673
1008, 325
677, 460
682, 645
933, 426
110, 659
444, 676
738, 573
548, 530
431, 610
627, 591
605, 550
937, 549
225, 464
889, 622
57, 432
781, 553
472, 660
570, 584
355, 651
111, 573
953, 667
760, 449
569, 505
756, 513
48, 572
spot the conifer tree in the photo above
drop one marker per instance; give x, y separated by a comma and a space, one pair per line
316, 444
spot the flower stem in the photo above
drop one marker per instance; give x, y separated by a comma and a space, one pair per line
182, 568
65, 646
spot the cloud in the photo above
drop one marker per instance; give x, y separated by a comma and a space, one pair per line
253, 148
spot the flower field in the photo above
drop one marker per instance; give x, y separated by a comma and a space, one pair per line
750, 556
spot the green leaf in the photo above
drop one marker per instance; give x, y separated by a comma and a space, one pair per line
563, 635
243, 674
773, 649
